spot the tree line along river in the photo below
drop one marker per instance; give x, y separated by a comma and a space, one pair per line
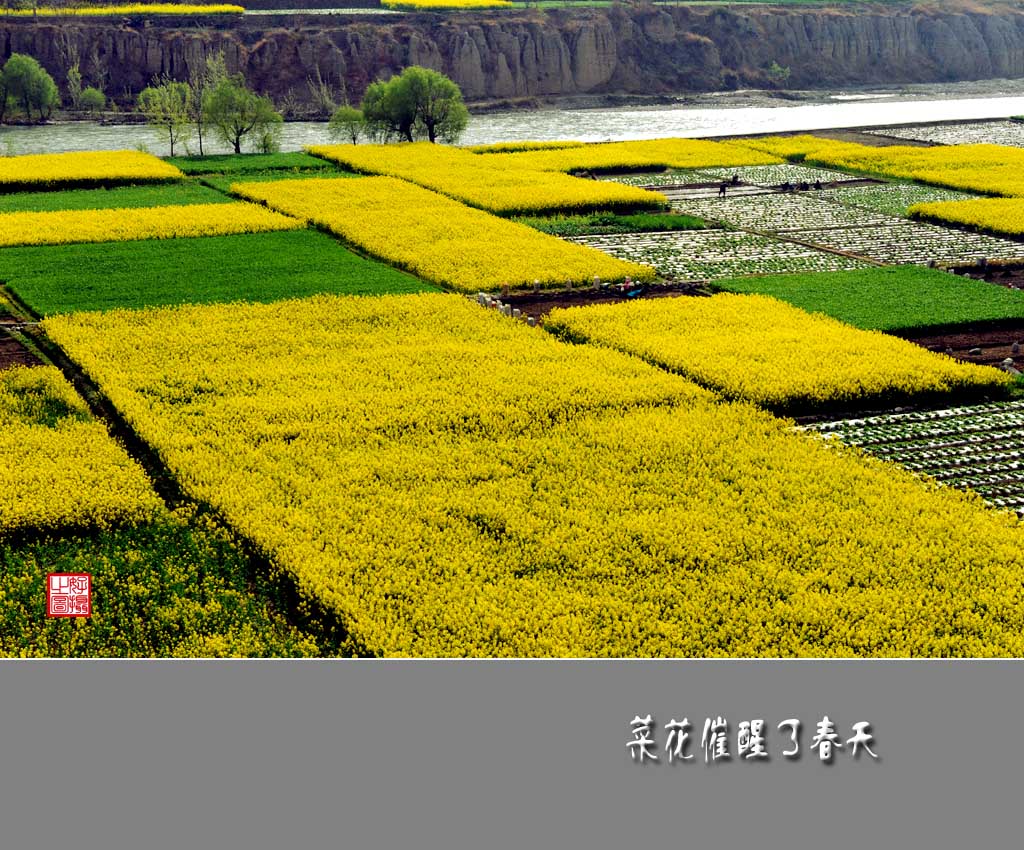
728, 114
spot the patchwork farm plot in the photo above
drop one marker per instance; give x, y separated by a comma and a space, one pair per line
1009, 133
891, 199
352, 462
779, 213
977, 448
711, 254
708, 341
775, 175
659, 179
912, 242
414, 462
897, 298
763, 176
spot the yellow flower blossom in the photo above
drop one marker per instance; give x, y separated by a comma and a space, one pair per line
999, 215
124, 225
754, 348
480, 182
86, 168
651, 154
58, 466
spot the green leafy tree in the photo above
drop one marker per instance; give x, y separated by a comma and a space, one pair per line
777, 74
205, 77
75, 86
167, 106
92, 100
236, 113
346, 123
389, 110
418, 103
440, 111
267, 139
26, 84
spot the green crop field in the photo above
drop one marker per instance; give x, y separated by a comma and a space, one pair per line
159, 195
247, 162
222, 182
602, 223
897, 298
248, 267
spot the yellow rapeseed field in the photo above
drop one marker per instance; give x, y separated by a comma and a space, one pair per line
655, 153
39, 171
754, 348
452, 483
999, 215
513, 147
59, 467
125, 225
477, 181
988, 169
437, 238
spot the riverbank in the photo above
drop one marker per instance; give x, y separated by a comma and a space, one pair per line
540, 54
706, 115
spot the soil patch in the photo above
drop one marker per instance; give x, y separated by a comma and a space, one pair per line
1010, 275
539, 304
991, 342
13, 353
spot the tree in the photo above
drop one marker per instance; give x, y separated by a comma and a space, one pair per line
439, 107
168, 107
202, 80
75, 86
92, 100
389, 110
321, 94
346, 123
419, 102
27, 84
234, 112
777, 74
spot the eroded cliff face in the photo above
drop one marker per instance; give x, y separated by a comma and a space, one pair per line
654, 50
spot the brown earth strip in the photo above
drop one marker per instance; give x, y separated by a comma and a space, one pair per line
13, 353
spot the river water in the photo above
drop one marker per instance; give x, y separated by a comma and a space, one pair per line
725, 114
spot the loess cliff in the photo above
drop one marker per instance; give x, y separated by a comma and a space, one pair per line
533, 54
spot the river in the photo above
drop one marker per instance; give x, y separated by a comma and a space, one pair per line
709, 115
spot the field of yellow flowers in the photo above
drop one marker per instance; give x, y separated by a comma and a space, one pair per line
437, 238
89, 168
126, 225
988, 169
513, 147
983, 168
60, 467
451, 483
477, 181
998, 215
799, 361
653, 154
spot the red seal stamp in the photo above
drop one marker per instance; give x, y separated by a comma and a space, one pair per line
68, 595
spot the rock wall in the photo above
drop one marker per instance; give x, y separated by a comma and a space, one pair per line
530, 53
